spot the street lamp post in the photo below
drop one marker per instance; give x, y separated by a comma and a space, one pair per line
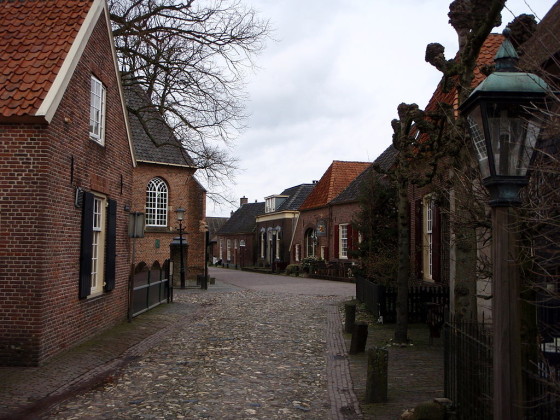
504, 130
180, 216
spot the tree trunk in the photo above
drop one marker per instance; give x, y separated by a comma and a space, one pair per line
401, 328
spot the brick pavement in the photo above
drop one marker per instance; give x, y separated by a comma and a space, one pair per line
415, 372
344, 404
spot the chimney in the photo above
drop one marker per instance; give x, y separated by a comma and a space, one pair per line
243, 200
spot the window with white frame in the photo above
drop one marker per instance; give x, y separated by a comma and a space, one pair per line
428, 237
278, 245
97, 111
228, 249
343, 241
270, 256
221, 255
297, 253
263, 238
98, 245
323, 248
310, 242
156, 203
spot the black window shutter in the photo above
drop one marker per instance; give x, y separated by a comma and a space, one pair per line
111, 246
86, 246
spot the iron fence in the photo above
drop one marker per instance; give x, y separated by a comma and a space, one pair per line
150, 287
382, 300
468, 369
468, 374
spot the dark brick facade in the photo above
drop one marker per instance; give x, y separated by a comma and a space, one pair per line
40, 226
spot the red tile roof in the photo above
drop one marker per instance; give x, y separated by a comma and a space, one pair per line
35, 37
485, 58
333, 182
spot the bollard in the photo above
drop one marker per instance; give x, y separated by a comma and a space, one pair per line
350, 316
359, 337
376, 383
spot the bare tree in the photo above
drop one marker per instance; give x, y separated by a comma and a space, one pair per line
190, 57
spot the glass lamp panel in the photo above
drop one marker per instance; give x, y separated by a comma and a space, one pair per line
530, 134
474, 120
513, 138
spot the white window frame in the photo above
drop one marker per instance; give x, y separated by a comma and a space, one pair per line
98, 94
343, 241
98, 245
228, 250
157, 196
298, 253
310, 243
221, 254
262, 244
277, 245
323, 248
427, 226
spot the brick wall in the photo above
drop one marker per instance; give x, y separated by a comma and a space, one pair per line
184, 191
40, 313
333, 216
308, 219
239, 257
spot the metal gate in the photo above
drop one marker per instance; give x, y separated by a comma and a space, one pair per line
150, 287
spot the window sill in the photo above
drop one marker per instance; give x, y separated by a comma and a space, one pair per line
94, 296
99, 142
159, 229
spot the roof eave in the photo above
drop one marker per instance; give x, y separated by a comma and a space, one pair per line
152, 162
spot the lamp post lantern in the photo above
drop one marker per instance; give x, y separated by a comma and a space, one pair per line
504, 129
180, 212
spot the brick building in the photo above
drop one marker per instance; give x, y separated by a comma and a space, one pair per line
237, 242
214, 225
163, 181
345, 207
65, 177
432, 249
317, 235
277, 226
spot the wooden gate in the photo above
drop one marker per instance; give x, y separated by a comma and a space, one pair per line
150, 287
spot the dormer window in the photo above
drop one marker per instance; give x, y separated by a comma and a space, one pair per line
97, 111
269, 206
273, 203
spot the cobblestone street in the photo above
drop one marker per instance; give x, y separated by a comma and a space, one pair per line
244, 354
253, 346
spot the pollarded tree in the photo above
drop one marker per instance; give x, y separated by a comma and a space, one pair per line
377, 221
190, 58
473, 21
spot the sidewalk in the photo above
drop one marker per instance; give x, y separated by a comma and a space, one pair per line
415, 372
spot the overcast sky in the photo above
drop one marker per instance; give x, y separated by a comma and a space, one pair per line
329, 84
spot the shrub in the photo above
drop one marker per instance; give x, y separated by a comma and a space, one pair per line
292, 269
309, 264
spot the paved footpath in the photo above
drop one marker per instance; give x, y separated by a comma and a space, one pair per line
252, 347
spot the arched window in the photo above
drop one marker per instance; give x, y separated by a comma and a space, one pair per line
310, 242
156, 203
